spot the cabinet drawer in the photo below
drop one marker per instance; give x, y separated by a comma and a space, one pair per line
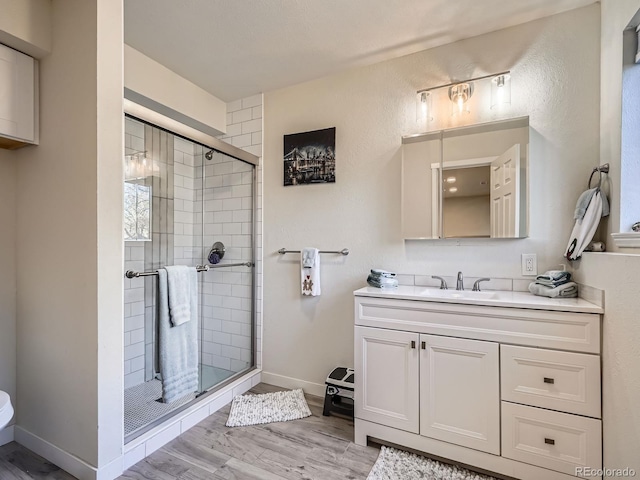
569, 382
558, 441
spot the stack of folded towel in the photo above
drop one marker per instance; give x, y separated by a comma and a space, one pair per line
382, 279
554, 283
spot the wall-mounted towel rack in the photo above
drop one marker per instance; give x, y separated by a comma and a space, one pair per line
600, 169
199, 268
344, 251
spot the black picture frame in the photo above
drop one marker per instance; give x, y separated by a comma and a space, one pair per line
310, 157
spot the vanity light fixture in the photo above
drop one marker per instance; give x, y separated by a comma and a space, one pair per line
137, 165
460, 92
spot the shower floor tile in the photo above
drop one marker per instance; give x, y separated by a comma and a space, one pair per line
141, 406
140, 402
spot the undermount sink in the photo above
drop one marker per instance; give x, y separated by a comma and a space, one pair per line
467, 294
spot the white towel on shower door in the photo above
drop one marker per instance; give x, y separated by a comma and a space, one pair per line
182, 283
310, 271
178, 346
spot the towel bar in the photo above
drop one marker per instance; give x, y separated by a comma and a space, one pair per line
344, 251
199, 268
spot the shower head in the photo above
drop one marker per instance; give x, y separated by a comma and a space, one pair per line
209, 155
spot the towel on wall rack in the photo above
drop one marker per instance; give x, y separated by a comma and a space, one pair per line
310, 271
585, 226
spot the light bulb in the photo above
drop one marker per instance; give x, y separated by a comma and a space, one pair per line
459, 94
500, 90
451, 179
453, 189
423, 110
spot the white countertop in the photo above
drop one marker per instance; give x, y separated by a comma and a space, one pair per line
501, 299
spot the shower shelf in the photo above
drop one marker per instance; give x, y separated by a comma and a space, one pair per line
199, 268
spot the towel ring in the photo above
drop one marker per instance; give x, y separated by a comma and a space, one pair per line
601, 169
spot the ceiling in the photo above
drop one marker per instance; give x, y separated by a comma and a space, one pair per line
237, 48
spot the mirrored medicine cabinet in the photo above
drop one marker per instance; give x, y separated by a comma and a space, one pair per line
467, 182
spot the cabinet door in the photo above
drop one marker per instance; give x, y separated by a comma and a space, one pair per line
386, 377
459, 392
17, 100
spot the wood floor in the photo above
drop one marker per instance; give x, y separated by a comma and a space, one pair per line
316, 447
18, 463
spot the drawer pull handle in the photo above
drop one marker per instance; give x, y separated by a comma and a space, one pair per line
424, 345
549, 441
549, 380
413, 344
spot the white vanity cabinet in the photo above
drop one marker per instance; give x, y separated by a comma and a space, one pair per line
18, 99
388, 365
505, 386
460, 392
442, 387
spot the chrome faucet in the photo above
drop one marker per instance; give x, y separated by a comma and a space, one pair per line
459, 283
476, 285
443, 283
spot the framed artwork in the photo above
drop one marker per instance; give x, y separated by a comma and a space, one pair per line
310, 157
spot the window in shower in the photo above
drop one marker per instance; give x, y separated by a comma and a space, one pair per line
190, 197
137, 211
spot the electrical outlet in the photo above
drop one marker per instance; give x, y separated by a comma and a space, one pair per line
529, 264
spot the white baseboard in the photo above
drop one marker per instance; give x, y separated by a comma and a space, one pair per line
6, 435
65, 460
311, 388
111, 470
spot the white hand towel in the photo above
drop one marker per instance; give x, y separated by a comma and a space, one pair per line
310, 275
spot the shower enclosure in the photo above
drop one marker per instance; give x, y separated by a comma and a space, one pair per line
181, 198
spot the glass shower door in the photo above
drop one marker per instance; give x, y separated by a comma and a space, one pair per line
227, 205
181, 198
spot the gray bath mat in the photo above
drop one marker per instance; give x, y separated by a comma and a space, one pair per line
268, 408
393, 464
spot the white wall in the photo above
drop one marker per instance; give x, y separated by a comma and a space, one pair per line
26, 26
70, 249
554, 61
8, 179
615, 273
156, 87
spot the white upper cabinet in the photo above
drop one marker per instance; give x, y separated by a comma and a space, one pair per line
18, 119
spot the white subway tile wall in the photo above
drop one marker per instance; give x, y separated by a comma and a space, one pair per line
232, 314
